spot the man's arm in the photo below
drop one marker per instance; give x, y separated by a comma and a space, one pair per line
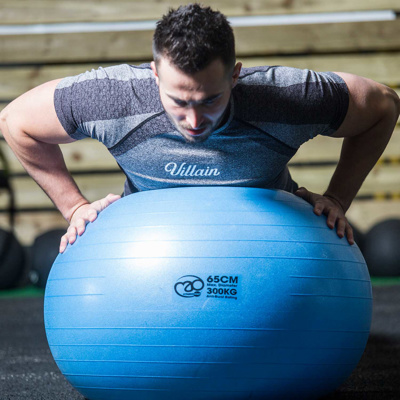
369, 123
31, 128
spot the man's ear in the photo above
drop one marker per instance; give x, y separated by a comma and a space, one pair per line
154, 69
236, 73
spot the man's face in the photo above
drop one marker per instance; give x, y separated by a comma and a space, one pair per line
195, 103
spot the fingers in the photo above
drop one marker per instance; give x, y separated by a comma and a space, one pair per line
80, 225
311, 198
69, 237
303, 193
101, 204
335, 216
91, 215
78, 228
344, 229
319, 208
84, 214
113, 197
341, 227
63, 243
314, 199
350, 234
109, 199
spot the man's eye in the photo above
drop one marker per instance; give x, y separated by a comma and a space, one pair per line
209, 102
180, 103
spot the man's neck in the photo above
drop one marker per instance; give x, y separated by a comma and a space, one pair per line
225, 116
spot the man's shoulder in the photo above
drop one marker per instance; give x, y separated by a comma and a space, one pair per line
290, 102
110, 99
110, 87
260, 87
130, 72
122, 73
283, 76
275, 75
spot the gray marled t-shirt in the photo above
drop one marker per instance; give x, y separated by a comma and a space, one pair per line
273, 110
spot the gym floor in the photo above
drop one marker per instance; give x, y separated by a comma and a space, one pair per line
27, 369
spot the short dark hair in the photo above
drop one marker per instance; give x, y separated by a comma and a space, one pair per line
193, 36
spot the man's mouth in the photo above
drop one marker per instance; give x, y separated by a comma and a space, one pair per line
195, 132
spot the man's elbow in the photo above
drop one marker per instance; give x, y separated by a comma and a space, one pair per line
391, 104
3, 119
397, 102
9, 123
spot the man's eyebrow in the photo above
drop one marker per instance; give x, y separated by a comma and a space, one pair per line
212, 97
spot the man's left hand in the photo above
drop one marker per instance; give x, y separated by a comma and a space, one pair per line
333, 211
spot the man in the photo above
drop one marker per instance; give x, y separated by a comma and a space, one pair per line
196, 117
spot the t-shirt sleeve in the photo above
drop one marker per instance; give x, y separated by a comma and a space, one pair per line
293, 105
77, 100
105, 103
338, 94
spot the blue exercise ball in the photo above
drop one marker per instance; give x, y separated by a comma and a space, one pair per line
208, 293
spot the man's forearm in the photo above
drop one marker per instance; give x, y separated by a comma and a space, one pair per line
358, 156
58, 184
45, 164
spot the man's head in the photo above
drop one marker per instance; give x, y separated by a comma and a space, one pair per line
194, 65
192, 36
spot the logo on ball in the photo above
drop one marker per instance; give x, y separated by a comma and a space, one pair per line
189, 286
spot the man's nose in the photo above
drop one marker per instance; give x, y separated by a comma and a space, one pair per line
194, 117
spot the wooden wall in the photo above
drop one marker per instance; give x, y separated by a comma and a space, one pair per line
370, 49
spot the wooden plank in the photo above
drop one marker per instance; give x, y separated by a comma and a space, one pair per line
250, 41
318, 38
17, 80
86, 154
325, 148
365, 214
321, 148
382, 67
50, 11
29, 225
76, 47
28, 194
382, 179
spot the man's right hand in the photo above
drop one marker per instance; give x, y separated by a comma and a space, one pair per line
82, 215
